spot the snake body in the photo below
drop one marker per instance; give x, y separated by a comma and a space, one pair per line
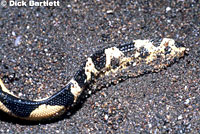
102, 63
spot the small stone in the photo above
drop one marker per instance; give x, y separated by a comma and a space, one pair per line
20, 94
180, 117
89, 92
186, 87
106, 117
18, 40
13, 33
187, 101
168, 9
169, 21
167, 107
149, 125
109, 11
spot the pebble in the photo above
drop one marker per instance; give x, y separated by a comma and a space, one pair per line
180, 117
168, 9
18, 40
106, 117
187, 101
109, 11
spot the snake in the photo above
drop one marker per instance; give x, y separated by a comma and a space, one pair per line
142, 54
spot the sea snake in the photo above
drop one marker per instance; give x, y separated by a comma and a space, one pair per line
111, 60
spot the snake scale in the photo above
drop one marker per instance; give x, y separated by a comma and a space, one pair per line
100, 64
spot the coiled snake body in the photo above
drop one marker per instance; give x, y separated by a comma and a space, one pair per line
102, 63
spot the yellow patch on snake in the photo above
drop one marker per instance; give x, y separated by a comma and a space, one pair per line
46, 111
160, 50
147, 45
171, 43
75, 89
42, 99
143, 43
90, 68
5, 89
112, 52
4, 108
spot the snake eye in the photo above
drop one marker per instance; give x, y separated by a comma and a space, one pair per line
167, 50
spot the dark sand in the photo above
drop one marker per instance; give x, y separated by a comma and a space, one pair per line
55, 40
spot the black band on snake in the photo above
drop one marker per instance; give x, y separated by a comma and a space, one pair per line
103, 63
